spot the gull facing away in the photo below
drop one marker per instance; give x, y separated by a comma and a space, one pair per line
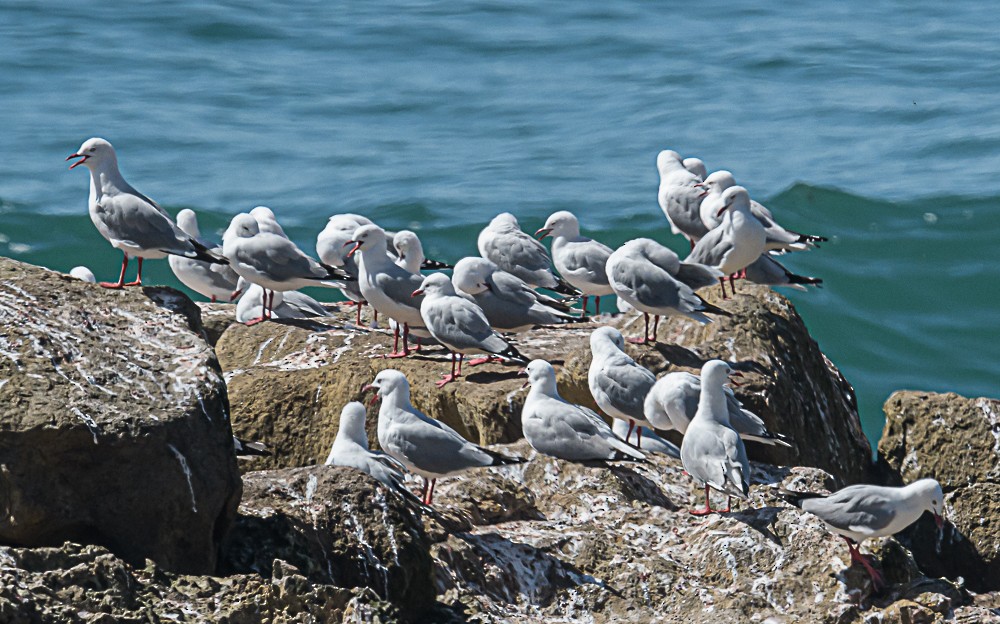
83, 273
555, 427
712, 452
506, 245
651, 289
272, 262
267, 222
215, 281
673, 402
737, 242
350, 448
680, 196
580, 260
284, 305
426, 447
460, 325
697, 167
129, 220
332, 248
510, 305
778, 238
618, 384
387, 287
410, 253
860, 512
651, 443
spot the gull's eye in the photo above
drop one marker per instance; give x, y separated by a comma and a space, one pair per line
934, 502
93, 149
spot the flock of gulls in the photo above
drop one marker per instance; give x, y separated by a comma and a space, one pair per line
490, 299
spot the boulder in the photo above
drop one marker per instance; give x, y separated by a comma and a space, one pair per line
336, 526
289, 380
955, 440
114, 422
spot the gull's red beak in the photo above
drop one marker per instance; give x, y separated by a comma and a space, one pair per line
703, 193
417, 293
542, 233
939, 521
524, 373
721, 210
374, 398
235, 294
735, 374
83, 158
356, 244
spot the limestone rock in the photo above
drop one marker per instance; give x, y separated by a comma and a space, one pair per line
957, 441
113, 421
335, 526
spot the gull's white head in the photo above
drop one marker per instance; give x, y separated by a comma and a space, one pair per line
83, 273
719, 181
94, 153
667, 161
388, 383
605, 339
541, 375
408, 244
352, 423
734, 198
563, 223
242, 226
365, 238
929, 493
504, 220
267, 222
715, 373
472, 275
187, 221
696, 166
435, 285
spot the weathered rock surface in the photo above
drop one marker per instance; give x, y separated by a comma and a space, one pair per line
338, 527
957, 441
288, 381
113, 421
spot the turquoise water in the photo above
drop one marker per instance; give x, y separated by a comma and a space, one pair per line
876, 126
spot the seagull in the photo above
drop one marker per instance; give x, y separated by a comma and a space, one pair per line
410, 253
778, 238
580, 260
510, 305
215, 281
386, 286
331, 247
737, 242
267, 222
503, 243
650, 288
350, 448
712, 452
284, 305
860, 512
83, 273
426, 447
697, 167
680, 196
129, 220
555, 427
673, 402
769, 272
272, 262
618, 384
460, 325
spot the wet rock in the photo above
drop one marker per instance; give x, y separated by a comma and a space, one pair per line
334, 526
113, 421
956, 440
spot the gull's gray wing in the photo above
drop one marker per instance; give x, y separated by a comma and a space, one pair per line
135, 220
508, 286
586, 260
626, 385
460, 324
859, 508
435, 448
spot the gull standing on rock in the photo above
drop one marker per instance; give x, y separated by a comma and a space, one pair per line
712, 452
555, 427
129, 220
738, 241
680, 196
673, 402
215, 281
860, 512
460, 325
284, 305
410, 253
273, 262
506, 245
426, 447
580, 260
510, 305
350, 448
331, 247
618, 384
650, 288
387, 287
767, 271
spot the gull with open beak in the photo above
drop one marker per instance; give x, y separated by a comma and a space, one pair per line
129, 220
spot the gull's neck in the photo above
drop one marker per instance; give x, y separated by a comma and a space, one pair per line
712, 400
107, 180
545, 387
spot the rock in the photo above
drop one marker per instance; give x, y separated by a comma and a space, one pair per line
333, 526
957, 441
315, 369
113, 421
216, 319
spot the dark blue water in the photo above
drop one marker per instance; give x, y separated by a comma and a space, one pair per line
875, 125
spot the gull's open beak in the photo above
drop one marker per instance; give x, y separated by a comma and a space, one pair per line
939, 521
703, 193
542, 233
235, 294
356, 244
699, 185
524, 373
735, 374
417, 292
83, 158
367, 388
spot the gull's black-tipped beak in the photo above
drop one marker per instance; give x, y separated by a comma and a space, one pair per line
83, 158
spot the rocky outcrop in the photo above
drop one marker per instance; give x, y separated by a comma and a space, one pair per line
957, 441
113, 421
289, 380
336, 526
